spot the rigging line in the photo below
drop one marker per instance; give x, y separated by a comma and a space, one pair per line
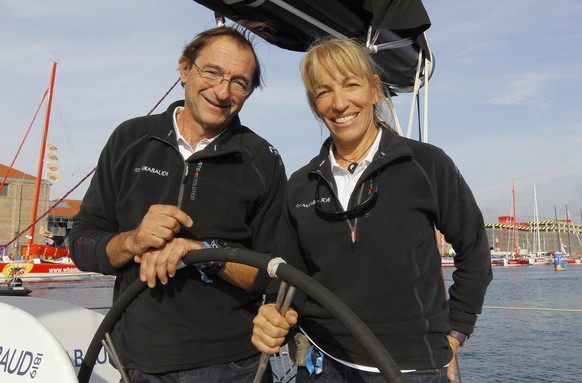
82, 180
164, 96
532, 309
24, 139
67, 135
49, 210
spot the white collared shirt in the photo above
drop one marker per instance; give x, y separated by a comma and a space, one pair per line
185, 148
345, 180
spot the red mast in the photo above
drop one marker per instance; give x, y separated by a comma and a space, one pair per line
42, 151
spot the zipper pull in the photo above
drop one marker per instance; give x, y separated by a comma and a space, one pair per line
185, 174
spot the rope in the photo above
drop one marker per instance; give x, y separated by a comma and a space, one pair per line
164, 96
19, 234
273, 266
24, 139
48, 211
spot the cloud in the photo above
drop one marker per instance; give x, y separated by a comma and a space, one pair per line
528, 90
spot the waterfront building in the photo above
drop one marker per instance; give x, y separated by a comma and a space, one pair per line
554, 235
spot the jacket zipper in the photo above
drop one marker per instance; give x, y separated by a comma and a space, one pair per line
354, 227
183, 185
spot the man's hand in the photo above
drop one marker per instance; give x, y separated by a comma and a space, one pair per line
162, 263
271, 328
157, 227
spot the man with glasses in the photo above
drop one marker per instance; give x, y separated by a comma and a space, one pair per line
190, 178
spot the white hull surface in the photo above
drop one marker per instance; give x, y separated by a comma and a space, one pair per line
45, 341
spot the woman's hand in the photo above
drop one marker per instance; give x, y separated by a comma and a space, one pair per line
271, 328
452, 369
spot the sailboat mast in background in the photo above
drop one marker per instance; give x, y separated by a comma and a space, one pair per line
41, 157
537, 239
515, 244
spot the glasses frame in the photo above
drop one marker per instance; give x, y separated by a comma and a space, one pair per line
218, 78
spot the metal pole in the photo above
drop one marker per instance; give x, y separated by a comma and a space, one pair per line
282, 303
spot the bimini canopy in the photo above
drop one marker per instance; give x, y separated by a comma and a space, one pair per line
393, 30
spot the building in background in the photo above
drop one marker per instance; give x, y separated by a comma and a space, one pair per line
60, 220
16, 204
544, 236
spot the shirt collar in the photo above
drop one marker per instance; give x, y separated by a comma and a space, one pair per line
183, 145
363, 164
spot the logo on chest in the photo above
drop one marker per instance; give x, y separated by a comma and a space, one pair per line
152, 170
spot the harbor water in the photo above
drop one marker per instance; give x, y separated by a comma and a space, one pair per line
530, 329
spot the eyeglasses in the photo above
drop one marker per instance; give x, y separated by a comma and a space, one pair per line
214, 77
358, 210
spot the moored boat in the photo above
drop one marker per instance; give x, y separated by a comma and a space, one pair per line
515, 262
537, 260
508, 258
36, 269
497, 262
13, 286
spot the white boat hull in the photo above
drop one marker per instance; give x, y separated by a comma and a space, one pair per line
45, 341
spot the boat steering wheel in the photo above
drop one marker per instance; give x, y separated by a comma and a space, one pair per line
285, 272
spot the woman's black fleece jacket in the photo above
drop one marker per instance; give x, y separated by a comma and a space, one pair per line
383, 261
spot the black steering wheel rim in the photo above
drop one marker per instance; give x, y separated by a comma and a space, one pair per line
359, 330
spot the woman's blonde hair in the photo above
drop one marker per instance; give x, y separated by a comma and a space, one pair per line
346, 57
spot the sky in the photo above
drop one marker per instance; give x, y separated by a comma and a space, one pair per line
504, 98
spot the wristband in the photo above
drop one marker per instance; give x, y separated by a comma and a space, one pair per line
459, 336
211, 267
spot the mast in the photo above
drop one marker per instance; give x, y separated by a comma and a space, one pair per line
42, 152
568, 230
514, 220
537, 221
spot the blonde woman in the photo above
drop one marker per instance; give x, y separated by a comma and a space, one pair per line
359, 219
